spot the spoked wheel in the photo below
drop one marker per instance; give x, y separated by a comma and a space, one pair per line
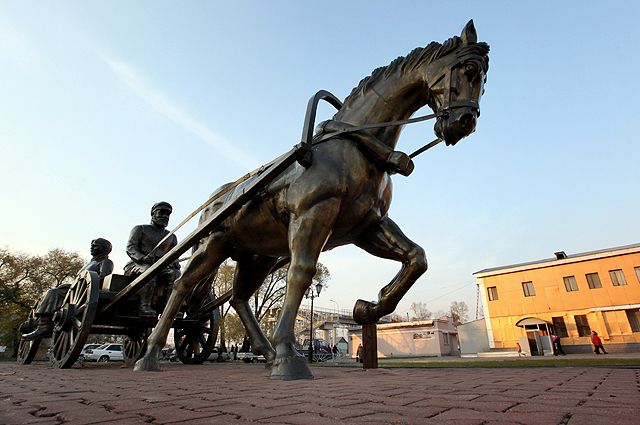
134, 348
197, 337
72, 322
27, 350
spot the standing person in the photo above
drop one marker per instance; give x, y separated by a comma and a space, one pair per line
520, 353
335, 351
359, 354
557, 346
597, 343
143, 250
100, 263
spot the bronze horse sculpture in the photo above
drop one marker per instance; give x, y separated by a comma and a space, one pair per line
341, 198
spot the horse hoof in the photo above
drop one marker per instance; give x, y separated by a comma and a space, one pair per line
290, 368
362, 313
147, 365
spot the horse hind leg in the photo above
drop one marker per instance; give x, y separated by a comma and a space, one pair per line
386, 240
208, 257
249, 276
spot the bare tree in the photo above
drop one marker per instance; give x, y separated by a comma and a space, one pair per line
272, 291
459, 312
395, 317
267, 298
420, 311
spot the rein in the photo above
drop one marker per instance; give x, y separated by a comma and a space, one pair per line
424, 148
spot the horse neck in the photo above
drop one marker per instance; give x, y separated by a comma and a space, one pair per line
395, 97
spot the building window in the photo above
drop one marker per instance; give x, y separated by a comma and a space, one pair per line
492, 292
570, 283
528, 289
637, 269
634, 319
445, 338
560, 327
583, 325
617, 277
593, 280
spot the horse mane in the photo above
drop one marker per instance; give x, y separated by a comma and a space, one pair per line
416, 58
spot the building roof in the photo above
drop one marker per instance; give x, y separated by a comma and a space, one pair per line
561, 258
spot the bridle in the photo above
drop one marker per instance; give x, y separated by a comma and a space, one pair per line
443, 111
447, 71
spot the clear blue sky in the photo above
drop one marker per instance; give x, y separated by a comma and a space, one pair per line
108, 107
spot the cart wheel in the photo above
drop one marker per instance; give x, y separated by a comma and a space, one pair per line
134, 348
27, 349
72, 322
195, 342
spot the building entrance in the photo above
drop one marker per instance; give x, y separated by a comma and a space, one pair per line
538, 336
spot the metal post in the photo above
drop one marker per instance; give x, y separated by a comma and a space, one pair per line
311, 347
370, 346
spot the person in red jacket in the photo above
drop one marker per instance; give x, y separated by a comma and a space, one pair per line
597, 343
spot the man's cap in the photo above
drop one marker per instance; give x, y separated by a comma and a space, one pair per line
161, 206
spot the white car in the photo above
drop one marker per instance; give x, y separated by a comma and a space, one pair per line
249, 357
105, 353
216, 357
87, 347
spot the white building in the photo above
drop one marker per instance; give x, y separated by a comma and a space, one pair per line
433, 337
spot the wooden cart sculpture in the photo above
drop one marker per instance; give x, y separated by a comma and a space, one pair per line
88, 308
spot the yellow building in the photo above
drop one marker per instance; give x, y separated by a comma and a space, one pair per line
570, 295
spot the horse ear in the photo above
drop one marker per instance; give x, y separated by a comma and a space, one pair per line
469, 34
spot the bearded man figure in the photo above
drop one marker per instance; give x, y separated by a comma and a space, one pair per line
143, 249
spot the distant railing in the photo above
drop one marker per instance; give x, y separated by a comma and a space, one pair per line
331, 314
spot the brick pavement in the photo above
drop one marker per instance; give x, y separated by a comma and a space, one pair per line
238, 393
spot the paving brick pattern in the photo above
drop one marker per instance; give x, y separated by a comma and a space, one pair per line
237, 393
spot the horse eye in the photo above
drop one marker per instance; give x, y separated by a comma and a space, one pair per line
470, 70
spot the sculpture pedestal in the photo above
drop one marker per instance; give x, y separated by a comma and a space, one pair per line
370, 347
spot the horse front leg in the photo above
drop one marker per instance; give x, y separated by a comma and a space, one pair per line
206, 258
308, 233
386, 240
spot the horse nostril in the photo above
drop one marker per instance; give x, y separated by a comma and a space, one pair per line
466, 119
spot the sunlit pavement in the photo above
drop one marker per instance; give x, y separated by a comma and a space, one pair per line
238, 393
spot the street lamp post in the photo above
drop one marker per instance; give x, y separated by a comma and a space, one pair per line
312, 295
335, 336
337, 310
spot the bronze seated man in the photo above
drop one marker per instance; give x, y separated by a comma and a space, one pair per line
100, 263
143, 249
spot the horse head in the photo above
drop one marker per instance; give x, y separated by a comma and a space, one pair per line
449, 77
455, 79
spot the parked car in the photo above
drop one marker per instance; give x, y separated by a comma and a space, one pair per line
249, 357
321, 350
216, 356
165, 353
173, 356
105, 353
86, 347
